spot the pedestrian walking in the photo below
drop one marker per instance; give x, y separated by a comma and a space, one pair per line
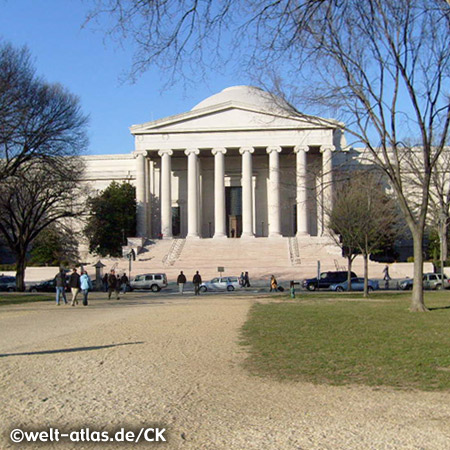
112, 284
292, 289
386, 276
246, 280
197, 281
124, 283
105, 282
74, 284
85, 285
181, 281
60, 284
273, 283
241, 279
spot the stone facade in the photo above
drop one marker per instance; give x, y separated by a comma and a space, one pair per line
241, 163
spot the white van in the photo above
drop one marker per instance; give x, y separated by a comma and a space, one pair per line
153, 281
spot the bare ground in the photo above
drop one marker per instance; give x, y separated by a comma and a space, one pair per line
177, 362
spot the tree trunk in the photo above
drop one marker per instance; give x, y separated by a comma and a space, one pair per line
366, 274
417, 300
349, 273
443, 239
21, 262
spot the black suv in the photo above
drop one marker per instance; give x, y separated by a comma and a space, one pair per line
326, 279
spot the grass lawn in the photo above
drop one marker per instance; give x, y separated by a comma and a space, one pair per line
14, 298
343, 339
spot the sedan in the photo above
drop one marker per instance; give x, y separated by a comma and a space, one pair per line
7, 283
221, 284
44, 286
357, 285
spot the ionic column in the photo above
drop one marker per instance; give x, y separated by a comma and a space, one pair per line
302, 212
273, 194
247, 191
166, 193
141, 204
327, 183
192, 194
219, 192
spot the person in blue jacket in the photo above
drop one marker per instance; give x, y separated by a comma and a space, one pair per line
85, 285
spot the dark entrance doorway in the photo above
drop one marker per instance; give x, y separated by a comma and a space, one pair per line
176, 221
233, 204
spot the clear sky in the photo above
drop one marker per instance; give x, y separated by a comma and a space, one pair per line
79, 59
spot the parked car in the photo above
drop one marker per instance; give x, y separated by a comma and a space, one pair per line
43, 286
357, 285
152, 281
326, 279
221, 284
7, 283
430, 281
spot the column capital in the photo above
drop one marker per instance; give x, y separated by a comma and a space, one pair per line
243, 150
138, 153
216, 150
324, 148
273, 148
301, 148
165, 151
192, 151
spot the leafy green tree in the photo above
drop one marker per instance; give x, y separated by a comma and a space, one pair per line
56, 245
113, 218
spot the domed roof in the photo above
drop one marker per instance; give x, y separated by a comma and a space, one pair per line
249, 95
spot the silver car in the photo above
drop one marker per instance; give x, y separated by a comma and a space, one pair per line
153, 281
430, 281
221, 284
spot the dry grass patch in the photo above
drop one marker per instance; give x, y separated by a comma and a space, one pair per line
373, 342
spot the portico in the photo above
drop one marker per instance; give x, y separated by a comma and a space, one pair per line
239, 164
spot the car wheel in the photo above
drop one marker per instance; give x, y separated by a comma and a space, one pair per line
311, 287
370, 288
438, 286
155, 288
33, 290
339, 289
203, 289
230, 288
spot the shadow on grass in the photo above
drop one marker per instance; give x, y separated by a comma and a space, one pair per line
69, 350
439, 307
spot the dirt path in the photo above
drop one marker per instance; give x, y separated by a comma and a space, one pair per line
177, 363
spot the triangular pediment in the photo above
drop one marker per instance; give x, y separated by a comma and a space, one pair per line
231, 116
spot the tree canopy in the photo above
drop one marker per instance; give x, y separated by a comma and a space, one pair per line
37, 119
40, 193
56, 245
363, 218
112, 218
42, 131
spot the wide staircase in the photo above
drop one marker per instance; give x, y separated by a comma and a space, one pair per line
286, 258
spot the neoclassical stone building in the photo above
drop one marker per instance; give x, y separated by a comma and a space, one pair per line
241, 163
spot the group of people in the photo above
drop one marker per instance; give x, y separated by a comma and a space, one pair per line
115, 283
196, 281
76, 282
82, 282
244, 279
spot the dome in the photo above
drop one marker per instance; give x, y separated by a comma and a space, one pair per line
250, 95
